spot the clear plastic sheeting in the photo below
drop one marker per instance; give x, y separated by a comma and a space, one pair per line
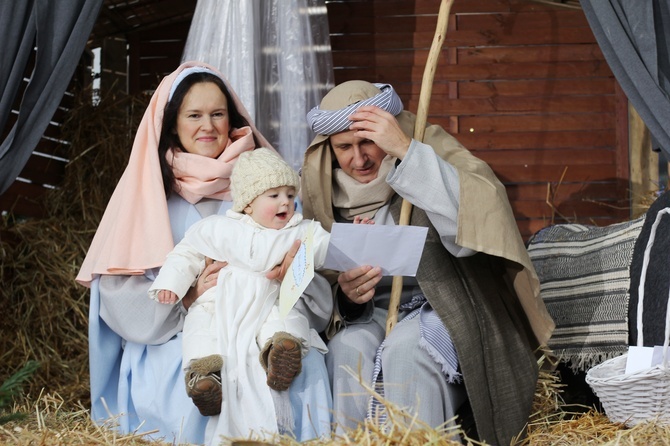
276, 55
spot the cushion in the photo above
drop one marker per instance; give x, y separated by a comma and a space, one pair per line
584, 274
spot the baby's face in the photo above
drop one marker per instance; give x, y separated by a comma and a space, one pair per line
273, 208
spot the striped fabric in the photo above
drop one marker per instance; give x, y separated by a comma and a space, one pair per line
329, 122
435, 339
584, 274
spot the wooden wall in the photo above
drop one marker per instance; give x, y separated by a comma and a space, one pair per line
523, 85
154, 54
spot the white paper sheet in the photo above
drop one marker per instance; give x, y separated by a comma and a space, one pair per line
640, 358
395, 249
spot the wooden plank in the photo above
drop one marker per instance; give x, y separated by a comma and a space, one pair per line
542, 142
407, 38
494, 24
486, 89
621, 127
345, 70
411, 36
61, 114
551, 58
68, 100
643, 161
508, 143
531, 123
54, 148
23, 200
174, 31
134, 85
166, 48
533, 157
543, 174
148, 81
549, 54
53, 131
603, 191
501, 105
512, 23
528, 227
533, 87
155, 53
502, 37
345, 9
158, 66
526, 54
529, 88
41, 170
49, 143
114, 66
540, 210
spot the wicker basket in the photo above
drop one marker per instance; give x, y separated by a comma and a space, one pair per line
643, 395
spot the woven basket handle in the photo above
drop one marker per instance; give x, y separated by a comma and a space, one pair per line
640, 289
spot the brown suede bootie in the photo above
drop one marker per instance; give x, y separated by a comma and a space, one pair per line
203, 384
282, 360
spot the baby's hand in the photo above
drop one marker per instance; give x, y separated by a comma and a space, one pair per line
363, 221
167, 297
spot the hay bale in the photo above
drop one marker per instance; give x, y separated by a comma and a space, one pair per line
45, 310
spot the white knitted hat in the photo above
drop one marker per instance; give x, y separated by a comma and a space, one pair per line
255, 172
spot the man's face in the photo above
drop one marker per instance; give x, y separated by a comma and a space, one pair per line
358, 157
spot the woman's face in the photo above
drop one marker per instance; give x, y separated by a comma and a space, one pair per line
202, 122
358, 157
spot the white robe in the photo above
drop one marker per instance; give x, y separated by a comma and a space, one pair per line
244, 308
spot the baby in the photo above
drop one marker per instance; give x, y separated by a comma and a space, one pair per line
238, 320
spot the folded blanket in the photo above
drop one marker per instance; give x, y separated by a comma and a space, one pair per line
584, 274
657, 281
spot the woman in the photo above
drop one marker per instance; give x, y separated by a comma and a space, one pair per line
471, 318
178, 173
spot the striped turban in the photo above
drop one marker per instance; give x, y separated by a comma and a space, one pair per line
332, 115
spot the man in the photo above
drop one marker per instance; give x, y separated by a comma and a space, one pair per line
472, 319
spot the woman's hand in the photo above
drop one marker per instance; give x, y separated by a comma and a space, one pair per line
279, 271
358, 284
206, 281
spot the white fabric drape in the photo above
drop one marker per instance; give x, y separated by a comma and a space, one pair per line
276, 54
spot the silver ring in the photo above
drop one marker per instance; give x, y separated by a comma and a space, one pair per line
358, 292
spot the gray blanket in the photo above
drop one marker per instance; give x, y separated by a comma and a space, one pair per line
584, 273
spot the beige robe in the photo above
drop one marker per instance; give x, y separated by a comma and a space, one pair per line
485, 224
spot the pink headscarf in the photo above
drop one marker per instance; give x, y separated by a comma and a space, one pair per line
135, 234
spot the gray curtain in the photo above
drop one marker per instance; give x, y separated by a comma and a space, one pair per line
59, 30
634, 36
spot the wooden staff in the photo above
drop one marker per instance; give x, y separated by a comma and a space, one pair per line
419, 128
